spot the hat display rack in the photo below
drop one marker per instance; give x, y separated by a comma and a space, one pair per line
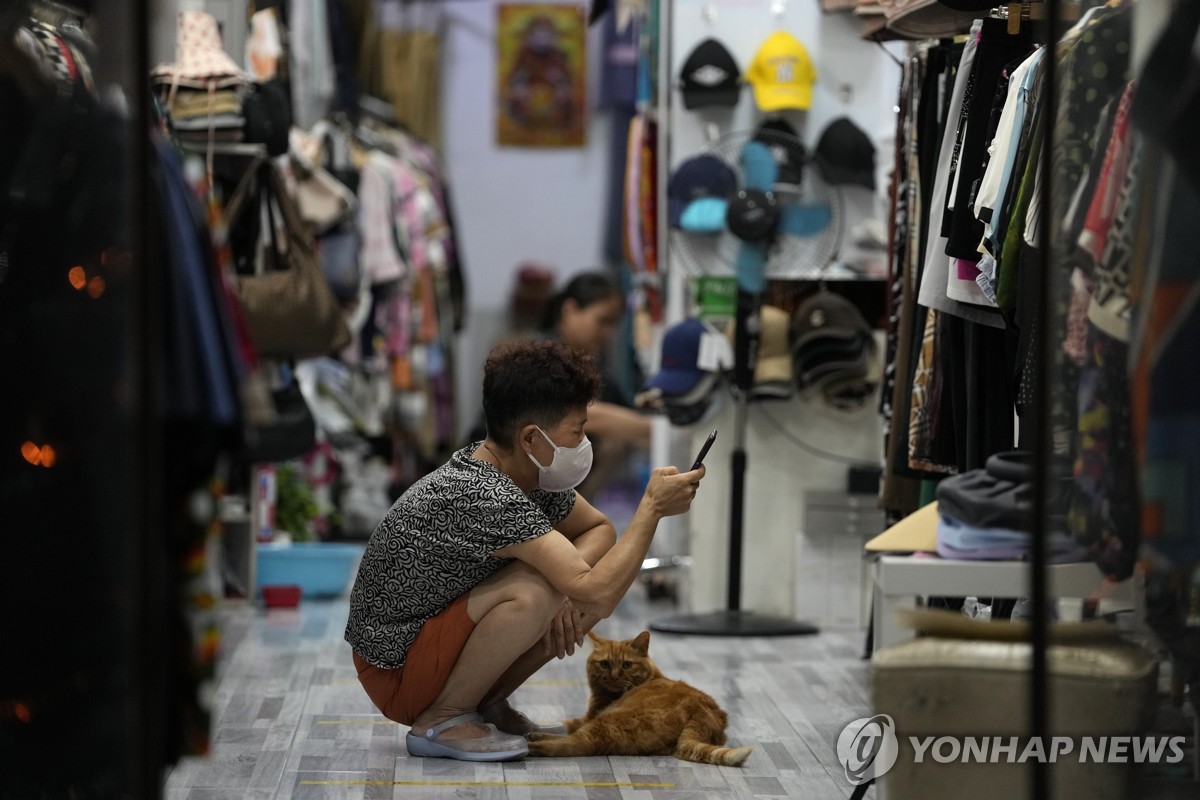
782, 221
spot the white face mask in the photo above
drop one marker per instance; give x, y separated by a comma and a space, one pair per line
567, 469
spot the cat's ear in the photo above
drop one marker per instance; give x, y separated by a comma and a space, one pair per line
595, 639
641, 642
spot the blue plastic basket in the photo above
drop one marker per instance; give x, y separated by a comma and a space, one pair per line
320, 569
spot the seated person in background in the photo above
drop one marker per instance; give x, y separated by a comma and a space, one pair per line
492, 564
585, 315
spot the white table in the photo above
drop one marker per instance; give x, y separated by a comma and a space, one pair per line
899, 580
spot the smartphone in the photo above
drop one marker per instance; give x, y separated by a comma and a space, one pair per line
712, 437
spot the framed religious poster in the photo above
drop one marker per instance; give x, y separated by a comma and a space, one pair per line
540, 74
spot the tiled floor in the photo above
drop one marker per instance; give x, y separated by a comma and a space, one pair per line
292, 722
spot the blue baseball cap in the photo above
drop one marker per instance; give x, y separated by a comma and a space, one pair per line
699, 177
678, 372
704, 215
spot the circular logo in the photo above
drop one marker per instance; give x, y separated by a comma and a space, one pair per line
867, 748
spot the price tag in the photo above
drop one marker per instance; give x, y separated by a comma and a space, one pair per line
715, 353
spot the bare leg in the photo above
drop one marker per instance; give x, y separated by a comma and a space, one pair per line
530, 662
511, 611
495, 707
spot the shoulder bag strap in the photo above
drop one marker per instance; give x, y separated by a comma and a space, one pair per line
241, 195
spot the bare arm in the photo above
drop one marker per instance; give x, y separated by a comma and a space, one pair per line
593, 535
589, 530
597, 589
618, 424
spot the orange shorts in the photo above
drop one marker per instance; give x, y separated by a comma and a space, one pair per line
401, 694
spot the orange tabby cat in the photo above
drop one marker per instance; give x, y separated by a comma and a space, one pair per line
635, 711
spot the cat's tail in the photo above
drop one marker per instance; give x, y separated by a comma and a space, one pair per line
705, 753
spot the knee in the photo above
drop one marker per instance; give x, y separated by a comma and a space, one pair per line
535, 597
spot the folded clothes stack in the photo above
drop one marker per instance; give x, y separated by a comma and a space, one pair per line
987, 514
196, 112
959, 540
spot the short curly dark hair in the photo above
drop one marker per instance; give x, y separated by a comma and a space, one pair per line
538, 382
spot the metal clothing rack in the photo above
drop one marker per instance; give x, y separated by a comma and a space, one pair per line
1039, 694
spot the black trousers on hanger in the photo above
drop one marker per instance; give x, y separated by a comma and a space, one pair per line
977, 363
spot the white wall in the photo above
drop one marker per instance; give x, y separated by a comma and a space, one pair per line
512, 204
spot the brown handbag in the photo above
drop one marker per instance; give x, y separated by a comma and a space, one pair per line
290, 310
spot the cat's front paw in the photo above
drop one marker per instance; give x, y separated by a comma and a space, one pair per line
542, 744
539, 736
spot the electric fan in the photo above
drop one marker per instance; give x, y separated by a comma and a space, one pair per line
782, 222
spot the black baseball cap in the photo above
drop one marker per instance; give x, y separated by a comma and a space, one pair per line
845, 154
710, 77
785, 145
